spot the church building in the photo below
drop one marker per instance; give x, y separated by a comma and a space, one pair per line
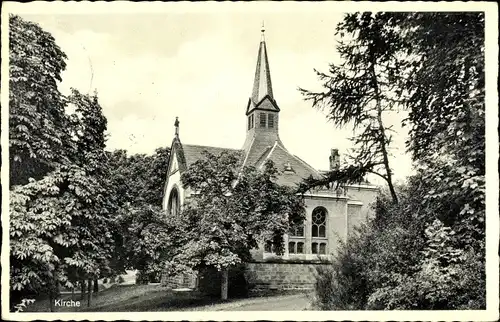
331, 213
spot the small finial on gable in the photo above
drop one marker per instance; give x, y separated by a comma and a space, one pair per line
176, 124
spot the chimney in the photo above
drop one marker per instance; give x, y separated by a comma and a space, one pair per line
334, 159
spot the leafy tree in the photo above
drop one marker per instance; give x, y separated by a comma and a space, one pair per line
230, 211
38, 140
60, 224
361, 90
148, 238
447, 113
447, 117
68, 195
141, 231
59, 212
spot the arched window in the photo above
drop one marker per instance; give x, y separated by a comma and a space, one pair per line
173, 202
319, 222
318, 231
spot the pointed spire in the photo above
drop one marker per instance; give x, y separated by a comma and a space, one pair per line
176, 124
262, 83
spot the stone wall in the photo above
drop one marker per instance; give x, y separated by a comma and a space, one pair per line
251, 277
281, 276
186, 280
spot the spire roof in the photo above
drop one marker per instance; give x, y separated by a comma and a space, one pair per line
262, 83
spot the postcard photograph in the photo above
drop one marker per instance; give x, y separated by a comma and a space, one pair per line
249, 161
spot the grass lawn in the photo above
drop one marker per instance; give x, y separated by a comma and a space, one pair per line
147, 298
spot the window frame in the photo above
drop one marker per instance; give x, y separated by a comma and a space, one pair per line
319, 243
294, 249
319, 224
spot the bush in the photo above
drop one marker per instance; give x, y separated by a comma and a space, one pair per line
341, 285
400, 261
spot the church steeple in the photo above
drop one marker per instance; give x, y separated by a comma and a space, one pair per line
262, 85
262, 110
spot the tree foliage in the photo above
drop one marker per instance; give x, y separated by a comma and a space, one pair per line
141, 231
147, 239
60, 224
428, 251
61, 200
38, 139
139, 178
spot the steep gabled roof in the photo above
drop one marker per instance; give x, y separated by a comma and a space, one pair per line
192, 153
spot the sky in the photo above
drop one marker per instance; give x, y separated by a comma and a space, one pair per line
150, 68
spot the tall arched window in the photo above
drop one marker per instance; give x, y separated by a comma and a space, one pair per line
173, 202
318, 231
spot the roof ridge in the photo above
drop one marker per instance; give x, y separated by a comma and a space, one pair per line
266, 151
269, 155
211, 146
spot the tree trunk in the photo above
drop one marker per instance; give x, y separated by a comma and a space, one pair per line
382, 137
82, 291
51, 300
89, 293
96, 286
224, 284
73, 293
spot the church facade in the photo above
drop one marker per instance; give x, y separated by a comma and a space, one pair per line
331, 214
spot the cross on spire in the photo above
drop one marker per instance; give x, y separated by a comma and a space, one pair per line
262, 30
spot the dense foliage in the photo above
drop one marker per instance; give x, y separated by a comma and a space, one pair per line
38, 139
140, 224
139, 178
60, 224
428, 251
